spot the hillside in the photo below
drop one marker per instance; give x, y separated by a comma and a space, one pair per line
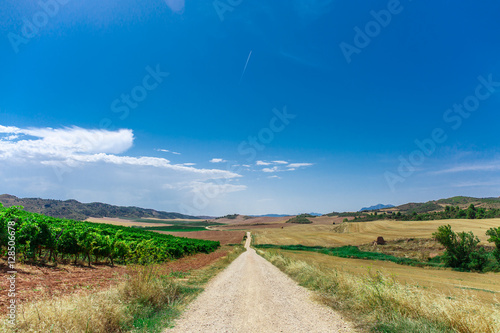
438, 205
379, 206
72, 209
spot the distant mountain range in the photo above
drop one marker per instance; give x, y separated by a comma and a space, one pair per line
376, 207
72, 209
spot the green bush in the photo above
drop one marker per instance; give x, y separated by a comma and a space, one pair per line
462, 249
494, 234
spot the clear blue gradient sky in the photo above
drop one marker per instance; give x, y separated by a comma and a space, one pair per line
215, 107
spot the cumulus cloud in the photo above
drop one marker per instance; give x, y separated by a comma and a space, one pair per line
93, 165
273, 169
282, 166
62, 142
298, 165
217, 160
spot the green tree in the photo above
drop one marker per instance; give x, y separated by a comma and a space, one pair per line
494, 234
462, 250
471, 212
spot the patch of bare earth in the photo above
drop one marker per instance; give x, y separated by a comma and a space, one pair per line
414, 248
40, 282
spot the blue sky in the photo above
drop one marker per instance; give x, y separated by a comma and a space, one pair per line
215, 107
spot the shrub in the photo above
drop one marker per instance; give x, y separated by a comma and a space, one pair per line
462, 250
494, 234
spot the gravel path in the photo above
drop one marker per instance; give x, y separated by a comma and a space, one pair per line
252, 295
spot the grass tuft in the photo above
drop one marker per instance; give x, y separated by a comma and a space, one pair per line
386, 305
147, 301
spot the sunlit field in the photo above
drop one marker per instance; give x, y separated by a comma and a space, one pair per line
365, 232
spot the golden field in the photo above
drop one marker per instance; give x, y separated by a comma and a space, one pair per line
357, 233
484, 287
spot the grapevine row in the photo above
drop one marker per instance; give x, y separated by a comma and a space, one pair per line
40, 237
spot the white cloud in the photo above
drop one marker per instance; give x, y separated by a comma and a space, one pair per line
63, 142
212, 188
280, 162
262, 163
486, 166
91, 165
274, 177
217, 160
273, 169
168, 151
298, 165
77, 146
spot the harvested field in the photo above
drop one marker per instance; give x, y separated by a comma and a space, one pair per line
252, 226
483, 286
358, 233
224, 237
40, 282
241, 219
276, 222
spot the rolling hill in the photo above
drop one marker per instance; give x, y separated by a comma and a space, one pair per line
72, 209
438, 205
376, 207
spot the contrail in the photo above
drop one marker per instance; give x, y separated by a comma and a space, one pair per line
246, 64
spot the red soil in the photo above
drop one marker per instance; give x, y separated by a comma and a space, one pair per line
39, 282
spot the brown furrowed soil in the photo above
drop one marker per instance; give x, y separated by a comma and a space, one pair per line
40, 282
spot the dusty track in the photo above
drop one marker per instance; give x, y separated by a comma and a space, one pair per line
251, 295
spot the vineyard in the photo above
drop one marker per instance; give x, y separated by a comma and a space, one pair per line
33, 237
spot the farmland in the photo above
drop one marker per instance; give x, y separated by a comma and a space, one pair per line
329, 258
35, 236
485, 287
366, 232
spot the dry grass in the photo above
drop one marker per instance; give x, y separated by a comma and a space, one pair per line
484, 287
107, 311
357, 233
383, 303
147, 297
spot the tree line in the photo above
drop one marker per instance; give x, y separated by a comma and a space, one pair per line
450, 212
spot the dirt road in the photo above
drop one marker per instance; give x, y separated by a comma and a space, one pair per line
251, 295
